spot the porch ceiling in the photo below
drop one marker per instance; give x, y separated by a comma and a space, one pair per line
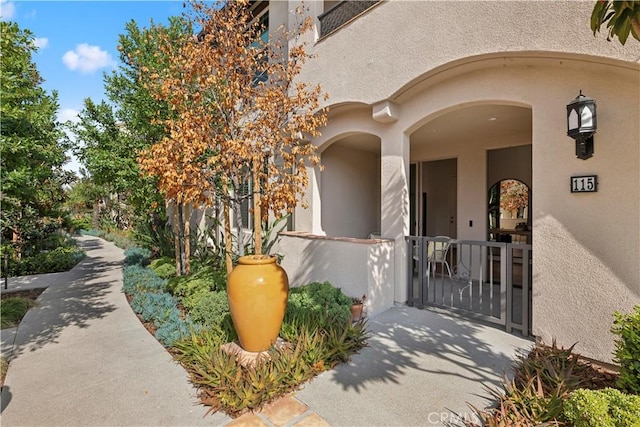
481, 121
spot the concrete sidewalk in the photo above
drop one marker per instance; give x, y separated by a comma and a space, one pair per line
421, 367
82, 358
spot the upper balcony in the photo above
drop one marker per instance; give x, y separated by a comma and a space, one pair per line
342, 13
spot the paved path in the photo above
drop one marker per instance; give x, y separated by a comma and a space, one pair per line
82, 358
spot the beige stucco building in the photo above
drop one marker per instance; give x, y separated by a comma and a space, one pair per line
433, 102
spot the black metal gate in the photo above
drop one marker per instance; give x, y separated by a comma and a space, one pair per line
490, 281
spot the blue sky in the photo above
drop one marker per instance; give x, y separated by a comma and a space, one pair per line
78, 41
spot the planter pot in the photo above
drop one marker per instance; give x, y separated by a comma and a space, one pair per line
257, 290
356, 312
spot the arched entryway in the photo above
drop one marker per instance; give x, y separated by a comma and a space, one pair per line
465, 262
350, 187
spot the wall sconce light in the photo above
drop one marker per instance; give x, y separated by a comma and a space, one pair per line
582, 124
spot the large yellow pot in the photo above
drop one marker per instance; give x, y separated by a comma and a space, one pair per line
257, 290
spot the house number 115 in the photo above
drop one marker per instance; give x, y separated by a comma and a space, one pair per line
584, 184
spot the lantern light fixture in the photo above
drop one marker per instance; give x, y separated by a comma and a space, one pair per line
582, 124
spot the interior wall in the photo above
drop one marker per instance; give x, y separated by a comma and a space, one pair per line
439, 182
350, 192
509, 163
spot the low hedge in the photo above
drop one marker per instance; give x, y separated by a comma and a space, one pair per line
607, 407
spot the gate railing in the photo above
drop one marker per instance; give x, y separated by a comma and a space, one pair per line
490, 281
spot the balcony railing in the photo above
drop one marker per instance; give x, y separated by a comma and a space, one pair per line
342, 13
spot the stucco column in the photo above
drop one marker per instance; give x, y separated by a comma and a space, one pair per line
309, 219
395, 204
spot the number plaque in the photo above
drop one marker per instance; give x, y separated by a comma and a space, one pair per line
584, 184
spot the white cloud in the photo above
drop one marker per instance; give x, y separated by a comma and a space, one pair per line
7, 10
87, 58
68, 114
41, 42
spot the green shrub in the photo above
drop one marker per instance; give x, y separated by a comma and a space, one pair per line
185, 287
627, 353
213, 310
49, 261
164, 267
136, 255
602, 408
542, 380
320, 301
80, 222
190, 289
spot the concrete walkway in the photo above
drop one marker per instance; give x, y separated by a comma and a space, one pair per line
82, 358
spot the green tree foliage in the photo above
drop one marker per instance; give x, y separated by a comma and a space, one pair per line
32, 154
140, 115
101, 149
110, 135
622, 18
143, 116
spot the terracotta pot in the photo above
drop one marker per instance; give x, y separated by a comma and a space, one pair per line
356, 312
257, 290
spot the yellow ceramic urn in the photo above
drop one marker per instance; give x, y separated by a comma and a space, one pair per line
257, 289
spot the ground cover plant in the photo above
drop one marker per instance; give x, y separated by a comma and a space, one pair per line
13, 310
555, 386
190, 316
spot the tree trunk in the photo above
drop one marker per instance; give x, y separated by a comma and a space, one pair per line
237, 201
187, 241
227, 227
257, 211
181, 234
176, 238
96, 214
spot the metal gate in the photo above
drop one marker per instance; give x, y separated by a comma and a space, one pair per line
490, 281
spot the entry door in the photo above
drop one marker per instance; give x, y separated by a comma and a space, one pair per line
440, 188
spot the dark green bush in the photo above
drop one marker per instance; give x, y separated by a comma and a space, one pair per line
50, 261
80, 222
190, 289
321, 301
213, 310
602, 408
627, 353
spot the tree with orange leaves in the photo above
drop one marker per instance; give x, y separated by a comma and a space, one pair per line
239, 116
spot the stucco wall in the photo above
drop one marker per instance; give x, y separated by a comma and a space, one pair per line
350, 194
356, 266
387, 50
536, 55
